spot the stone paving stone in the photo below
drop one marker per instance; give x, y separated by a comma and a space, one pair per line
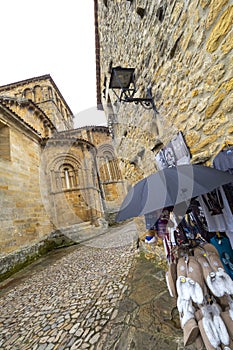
66, 305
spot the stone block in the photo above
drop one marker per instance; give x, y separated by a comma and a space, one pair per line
220, 30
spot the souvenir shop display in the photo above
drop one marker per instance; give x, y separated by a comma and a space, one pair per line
190, 208
169, 187
173, 154
198, 246
200, 269
199, 276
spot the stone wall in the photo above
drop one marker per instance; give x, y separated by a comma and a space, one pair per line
71, 196
99, 188
183, 50
23, 217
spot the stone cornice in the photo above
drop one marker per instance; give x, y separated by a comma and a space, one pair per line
6, 100
99, 128
18, 122
61, 139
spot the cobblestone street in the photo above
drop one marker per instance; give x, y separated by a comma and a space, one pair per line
65, 301
99, 295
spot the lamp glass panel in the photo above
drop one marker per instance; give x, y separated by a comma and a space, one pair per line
121, 78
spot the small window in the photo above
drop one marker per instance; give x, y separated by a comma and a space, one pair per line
4, 142
28, 94
38, 93
68, 177
109, 170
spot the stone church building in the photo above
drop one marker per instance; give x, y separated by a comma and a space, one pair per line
52, 175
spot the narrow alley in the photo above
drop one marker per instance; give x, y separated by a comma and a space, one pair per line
98, 295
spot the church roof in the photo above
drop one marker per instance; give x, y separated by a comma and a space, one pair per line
7, 101
30, 80
19, 119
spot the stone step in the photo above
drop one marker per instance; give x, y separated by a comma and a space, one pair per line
81, 232
76, 227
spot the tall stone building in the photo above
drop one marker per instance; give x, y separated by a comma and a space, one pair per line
182, 50
52, 175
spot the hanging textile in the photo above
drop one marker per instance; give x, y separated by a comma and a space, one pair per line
223, 246
217, 211
224, 161
180, 149
162, 223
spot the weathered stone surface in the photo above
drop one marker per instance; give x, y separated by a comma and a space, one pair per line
215, 8
230, 130
187, 51
221, 29
227, 45
193, 137
212, 126
202, 144
214, 105
154, 323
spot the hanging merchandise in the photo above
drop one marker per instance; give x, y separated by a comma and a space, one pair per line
228, 189
169, 155
217, 211
172, 226
162, 223
171, 277
216, 278
189, 287
180, 149
180, 236
203, 292
214, 202
197, 219
212, 328
224, 161
174, 153
223, 246
193, 225
160, 160
189, 227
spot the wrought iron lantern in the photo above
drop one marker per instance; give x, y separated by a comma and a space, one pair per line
123, 79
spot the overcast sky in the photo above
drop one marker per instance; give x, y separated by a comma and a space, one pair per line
53, 37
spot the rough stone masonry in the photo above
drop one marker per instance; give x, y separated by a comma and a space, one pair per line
181, 49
